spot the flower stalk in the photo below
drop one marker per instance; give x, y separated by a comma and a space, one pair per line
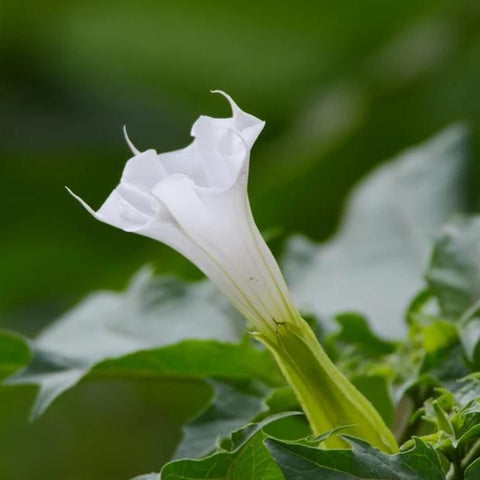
195, 200
328, 398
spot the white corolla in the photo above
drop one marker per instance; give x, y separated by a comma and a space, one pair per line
195, 200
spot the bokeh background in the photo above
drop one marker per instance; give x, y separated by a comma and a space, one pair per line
343, 86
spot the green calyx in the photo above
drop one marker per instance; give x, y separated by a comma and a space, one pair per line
328, 398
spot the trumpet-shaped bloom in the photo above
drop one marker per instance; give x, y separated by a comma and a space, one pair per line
195, 200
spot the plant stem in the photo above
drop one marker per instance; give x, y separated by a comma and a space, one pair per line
455, 472
328, 398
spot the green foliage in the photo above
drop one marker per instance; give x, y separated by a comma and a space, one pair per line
454, 276
456, 419
300, 462
473, 471
370, 78
424, 385
126, 326
342, 86
354, 330
231, 407
454, 272
374, 264
245, 457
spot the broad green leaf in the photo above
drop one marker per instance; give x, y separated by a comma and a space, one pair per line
191, 358
246, 459
374, 264
14, 353
454, 270
196, 358
152, 312
300, 462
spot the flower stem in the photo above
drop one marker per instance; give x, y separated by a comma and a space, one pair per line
327, 397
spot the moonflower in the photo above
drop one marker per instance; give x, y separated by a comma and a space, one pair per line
195, 200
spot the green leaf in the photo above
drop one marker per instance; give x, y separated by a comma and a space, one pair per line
472, 472
282, 399
376, 389
439, 335
440, 351
472, 433
468, 389
300, 462
454, 277
232, 404
470, 337
456, 418
375, 262
355, 330
196, 358
188, 359
151, 312
107, 328
442, 419
14, 353
231, 407
54, 374
454, 270
246, 459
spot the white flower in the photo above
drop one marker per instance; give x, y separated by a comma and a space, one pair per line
195, 200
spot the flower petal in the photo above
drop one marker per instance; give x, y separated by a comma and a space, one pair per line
144, 170
195, 200
129, 142
247, 125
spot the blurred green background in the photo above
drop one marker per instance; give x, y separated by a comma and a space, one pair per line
342, 86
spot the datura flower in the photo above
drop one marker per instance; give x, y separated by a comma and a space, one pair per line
195, 200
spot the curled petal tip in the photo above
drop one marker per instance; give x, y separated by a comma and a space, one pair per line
230, 100
85, 205
221, 92
132, 147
